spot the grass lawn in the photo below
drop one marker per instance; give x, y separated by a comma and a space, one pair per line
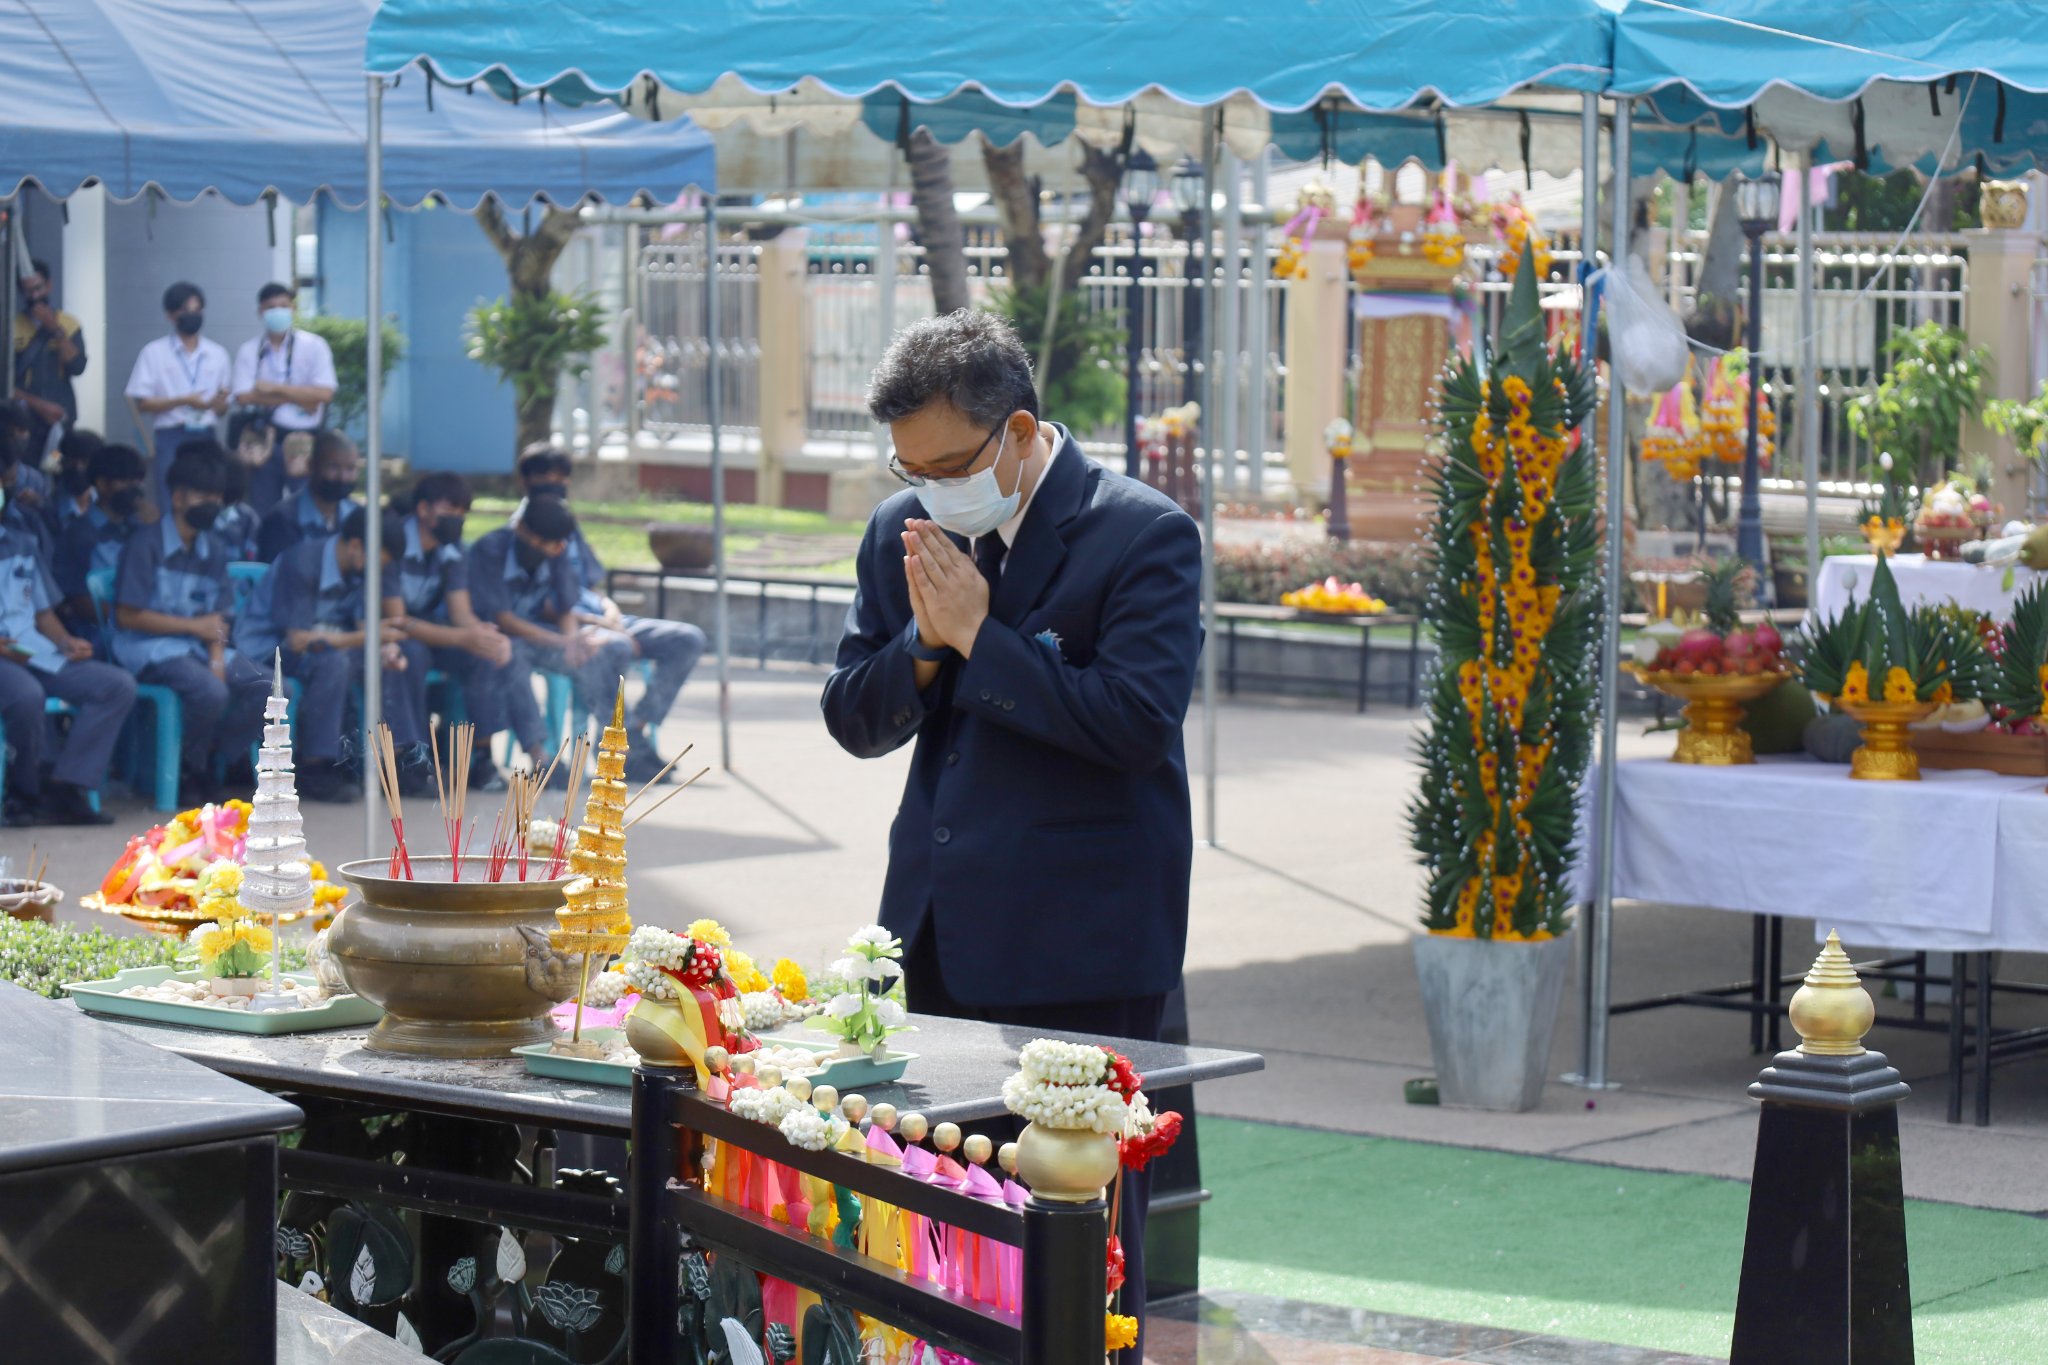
618, 530
1565, 1248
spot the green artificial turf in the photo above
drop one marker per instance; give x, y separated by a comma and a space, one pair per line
1565, 1248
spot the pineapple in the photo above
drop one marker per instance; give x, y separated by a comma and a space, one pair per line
1729, 586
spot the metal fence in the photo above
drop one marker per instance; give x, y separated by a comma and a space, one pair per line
856, 298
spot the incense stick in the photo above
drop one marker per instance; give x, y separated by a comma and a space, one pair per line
664, 799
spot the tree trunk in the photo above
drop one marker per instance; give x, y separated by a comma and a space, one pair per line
530, 266
945, 248
1016, 197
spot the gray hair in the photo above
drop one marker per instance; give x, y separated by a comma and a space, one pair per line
971, 359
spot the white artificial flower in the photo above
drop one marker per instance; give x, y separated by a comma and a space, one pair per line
1885, 461
874, 935
891, 1014
851, 968
843, 1006
883, 968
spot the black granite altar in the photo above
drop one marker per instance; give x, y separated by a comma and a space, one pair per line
957, 1077
137, 1196
1824, 1276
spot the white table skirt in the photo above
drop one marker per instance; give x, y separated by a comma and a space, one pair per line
1980, 587
1956, 862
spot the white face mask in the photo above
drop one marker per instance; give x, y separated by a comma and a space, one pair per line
975, 505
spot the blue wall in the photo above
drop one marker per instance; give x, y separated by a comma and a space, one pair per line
442, 410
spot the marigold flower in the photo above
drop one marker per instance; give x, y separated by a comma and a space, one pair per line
1856, 684
1898, 685
1119, 1332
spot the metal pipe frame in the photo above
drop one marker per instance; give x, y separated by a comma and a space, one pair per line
1808, 361
1212, 467
1599, 928
715, 409
373, 454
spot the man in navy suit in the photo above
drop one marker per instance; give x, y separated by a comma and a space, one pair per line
1032, 620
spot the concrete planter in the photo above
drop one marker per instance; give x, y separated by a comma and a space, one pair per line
1492, 1008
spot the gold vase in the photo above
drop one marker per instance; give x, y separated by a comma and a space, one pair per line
659, 1032
1886, 754
1713, 734
1066, 1165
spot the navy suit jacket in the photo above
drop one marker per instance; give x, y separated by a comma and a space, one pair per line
1045, 822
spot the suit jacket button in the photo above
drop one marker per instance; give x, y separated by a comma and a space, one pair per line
902, 718
952, 758
942, 834
984, 694
1009, 705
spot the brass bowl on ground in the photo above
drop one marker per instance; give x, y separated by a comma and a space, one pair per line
1713, 734
446, 960
1886, 754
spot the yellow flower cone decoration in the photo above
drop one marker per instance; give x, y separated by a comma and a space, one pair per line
1515, 601
596, 919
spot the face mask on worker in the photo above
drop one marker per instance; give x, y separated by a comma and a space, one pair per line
530, 555
975, 505
333, 490
124, 502
448, 530
200, 516
190, 324
277, 321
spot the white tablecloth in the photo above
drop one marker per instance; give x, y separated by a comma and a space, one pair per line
1980, 587
1956, 862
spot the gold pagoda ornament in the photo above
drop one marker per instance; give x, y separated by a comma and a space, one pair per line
595, 919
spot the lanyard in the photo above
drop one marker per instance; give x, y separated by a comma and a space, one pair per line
198, 365
264, 349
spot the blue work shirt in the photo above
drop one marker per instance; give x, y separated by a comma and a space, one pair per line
158, 572
425, 580
304, 590
235, 529
589, 574
26, 591
62, 509
298, 519
497, 583
92, 541
20, 515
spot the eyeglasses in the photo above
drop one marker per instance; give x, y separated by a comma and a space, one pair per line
952, 474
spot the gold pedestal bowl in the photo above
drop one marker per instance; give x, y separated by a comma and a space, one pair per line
1713, 734
1886, 754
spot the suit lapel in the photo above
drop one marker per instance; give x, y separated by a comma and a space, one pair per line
1040, 544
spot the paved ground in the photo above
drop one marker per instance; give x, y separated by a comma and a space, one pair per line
1298, 944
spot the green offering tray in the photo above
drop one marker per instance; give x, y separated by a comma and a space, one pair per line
542, 1060
104, 997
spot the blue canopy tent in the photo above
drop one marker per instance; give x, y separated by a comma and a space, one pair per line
1219, 69
182, 97
253, 98
1937, 87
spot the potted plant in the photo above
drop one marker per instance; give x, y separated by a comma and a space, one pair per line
1916, 412
863, 1016
532, 341
1515, 600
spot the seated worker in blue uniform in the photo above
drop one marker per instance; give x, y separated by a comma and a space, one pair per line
25, 491
316, 510
310, 606
519, 576
673, 647
93, 539
72, 497
236, 525
431, 592
39, 658
173, 628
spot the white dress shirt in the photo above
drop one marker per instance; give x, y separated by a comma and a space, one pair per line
302, 358
166, 369
1009, 529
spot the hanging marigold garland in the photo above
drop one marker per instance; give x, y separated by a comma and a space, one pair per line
1515, 599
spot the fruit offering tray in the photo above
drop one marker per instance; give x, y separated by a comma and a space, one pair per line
795, 1057
106, 997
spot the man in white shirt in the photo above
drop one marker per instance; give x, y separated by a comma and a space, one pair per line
180, 382
290, 373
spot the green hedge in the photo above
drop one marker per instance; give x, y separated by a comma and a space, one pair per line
42, 957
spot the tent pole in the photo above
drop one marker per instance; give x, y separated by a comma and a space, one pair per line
373, 453
1809, 375
7, 291
1589, 249
1600, 930
1258, 323
1212, 432
1230, 316
715, 410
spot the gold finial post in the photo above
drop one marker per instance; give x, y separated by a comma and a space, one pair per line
1831, 1011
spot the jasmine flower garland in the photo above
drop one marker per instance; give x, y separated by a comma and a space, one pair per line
1095, 1108
811, 1130
766, 1106
1062, 1063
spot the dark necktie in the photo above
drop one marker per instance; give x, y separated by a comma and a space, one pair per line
988, 557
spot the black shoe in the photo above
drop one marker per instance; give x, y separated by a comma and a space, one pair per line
416, 770
643, 765
484, 775
324, 781
18, 812
64, 804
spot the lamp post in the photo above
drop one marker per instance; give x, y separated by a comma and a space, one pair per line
1756, 205
1141, 187
1188, 193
